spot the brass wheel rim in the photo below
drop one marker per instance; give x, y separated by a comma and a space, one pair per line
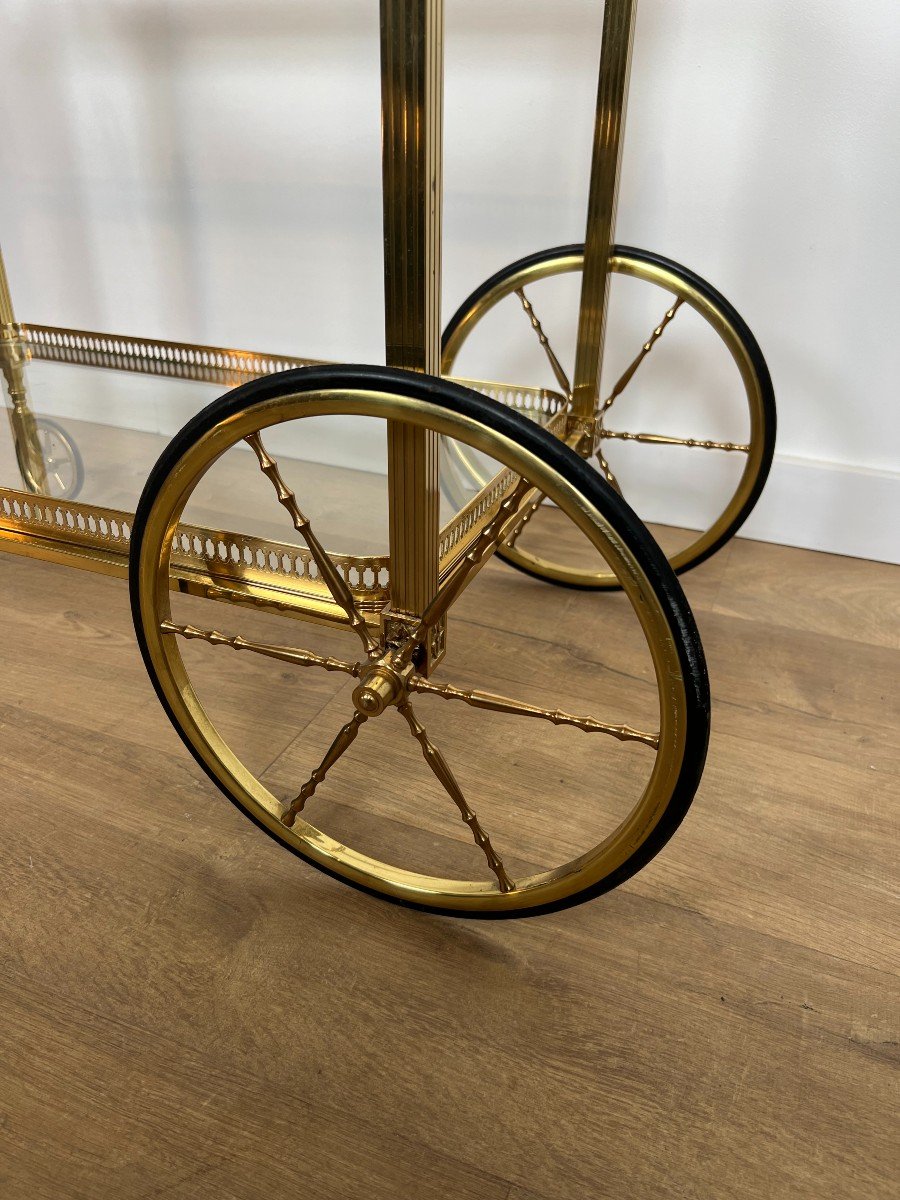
668, 280
305, 838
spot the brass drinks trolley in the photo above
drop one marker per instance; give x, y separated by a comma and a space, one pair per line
507, 455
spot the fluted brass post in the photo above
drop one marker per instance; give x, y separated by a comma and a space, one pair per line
21, 418
612, 91
411, 97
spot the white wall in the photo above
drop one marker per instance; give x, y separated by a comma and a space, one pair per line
210, 171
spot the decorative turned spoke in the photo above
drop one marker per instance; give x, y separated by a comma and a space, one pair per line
556, 365
651, 341
242, 599
608, 471
659, 439
439, 766
484, 546
299, 658
622, 733
335, 581
342, 742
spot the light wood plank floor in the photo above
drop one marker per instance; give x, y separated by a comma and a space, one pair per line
190, 1012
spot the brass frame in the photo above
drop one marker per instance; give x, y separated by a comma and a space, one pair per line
412, 48
12, 364
95, 538
398, 604
606, 163
422, 555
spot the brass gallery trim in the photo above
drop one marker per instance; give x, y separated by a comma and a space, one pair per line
222, 565
225, 366
207, 562
147, 356
88, 531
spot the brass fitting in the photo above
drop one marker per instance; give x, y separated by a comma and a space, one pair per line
381, 687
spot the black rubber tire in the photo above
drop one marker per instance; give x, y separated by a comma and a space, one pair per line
716, 298
567, 463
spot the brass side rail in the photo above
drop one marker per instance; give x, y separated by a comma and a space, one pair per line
225, 366
217, 563
211, 562
222, 565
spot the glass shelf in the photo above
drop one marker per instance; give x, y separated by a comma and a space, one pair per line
105, 407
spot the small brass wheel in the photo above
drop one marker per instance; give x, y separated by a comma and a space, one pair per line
686, 433
63, 464
387, 680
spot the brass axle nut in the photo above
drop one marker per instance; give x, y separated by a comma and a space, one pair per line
381, 687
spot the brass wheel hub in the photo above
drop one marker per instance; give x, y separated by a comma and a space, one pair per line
382, 685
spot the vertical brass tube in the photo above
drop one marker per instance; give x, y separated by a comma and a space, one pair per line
612, 93
412, 99
12, 366
7, 316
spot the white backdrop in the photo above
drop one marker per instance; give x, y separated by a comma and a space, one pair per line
209, 171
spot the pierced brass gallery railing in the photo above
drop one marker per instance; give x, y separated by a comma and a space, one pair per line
213, 562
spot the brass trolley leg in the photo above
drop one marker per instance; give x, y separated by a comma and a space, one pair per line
21, 418
412, 97
7, 316
612, 92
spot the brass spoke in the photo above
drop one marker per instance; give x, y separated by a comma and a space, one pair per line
439, 766
334, 580
346, 736
660, 439
299, 658
651, 341
556, 365
608, 471
478, 699
243, 599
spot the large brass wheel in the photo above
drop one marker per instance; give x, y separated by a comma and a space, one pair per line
383, 662
684, 426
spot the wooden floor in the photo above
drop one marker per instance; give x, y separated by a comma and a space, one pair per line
189, 1012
